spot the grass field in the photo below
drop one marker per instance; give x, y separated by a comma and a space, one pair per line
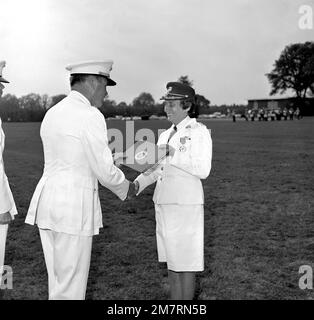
259, 221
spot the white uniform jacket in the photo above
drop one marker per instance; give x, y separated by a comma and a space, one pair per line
77, 156
6, 198
178, 177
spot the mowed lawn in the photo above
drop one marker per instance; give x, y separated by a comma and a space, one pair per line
259, 219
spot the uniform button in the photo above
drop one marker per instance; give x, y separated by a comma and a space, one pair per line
162, 168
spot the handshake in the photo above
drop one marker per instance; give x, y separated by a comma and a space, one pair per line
118, 159
133, 190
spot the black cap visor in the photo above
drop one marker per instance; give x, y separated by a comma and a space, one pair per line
110, 82
175, 97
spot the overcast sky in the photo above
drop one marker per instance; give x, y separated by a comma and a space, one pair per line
224, 46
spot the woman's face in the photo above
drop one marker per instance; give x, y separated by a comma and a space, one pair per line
175, 112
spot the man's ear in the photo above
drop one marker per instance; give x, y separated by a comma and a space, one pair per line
91, 82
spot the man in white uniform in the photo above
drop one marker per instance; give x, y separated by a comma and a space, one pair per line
65, 204
7, 205
178, 196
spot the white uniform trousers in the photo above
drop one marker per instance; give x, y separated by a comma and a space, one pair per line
67, 260
3, 237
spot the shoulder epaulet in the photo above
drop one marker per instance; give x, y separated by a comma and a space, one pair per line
200, 126
195, 125
203, 127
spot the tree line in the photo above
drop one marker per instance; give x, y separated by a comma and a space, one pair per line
32, 107
292, 71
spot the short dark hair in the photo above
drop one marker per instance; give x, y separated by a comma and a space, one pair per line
186, 104
78, 78
193, 111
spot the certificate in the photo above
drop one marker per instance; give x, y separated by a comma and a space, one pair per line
144, 156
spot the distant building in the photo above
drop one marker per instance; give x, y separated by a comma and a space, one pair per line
270, 104
281, 103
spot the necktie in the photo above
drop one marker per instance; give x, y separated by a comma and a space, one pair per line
174, 130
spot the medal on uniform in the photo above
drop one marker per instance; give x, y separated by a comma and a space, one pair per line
183, 140
182, 148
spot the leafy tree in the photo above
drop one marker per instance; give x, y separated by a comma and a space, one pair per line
9, 107
160, 109
45, 101
309, 71
186, 80
32, 107
9, 102
56, 99
143, 104
108, 109
201, 103
31, 101
122, 109
294, 70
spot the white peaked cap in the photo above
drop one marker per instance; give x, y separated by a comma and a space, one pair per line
2, 65
100, 68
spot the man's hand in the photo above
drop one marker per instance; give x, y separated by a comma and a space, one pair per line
5, 218
118, 158
167, 148
133, 189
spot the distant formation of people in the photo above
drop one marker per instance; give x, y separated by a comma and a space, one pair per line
262, 114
